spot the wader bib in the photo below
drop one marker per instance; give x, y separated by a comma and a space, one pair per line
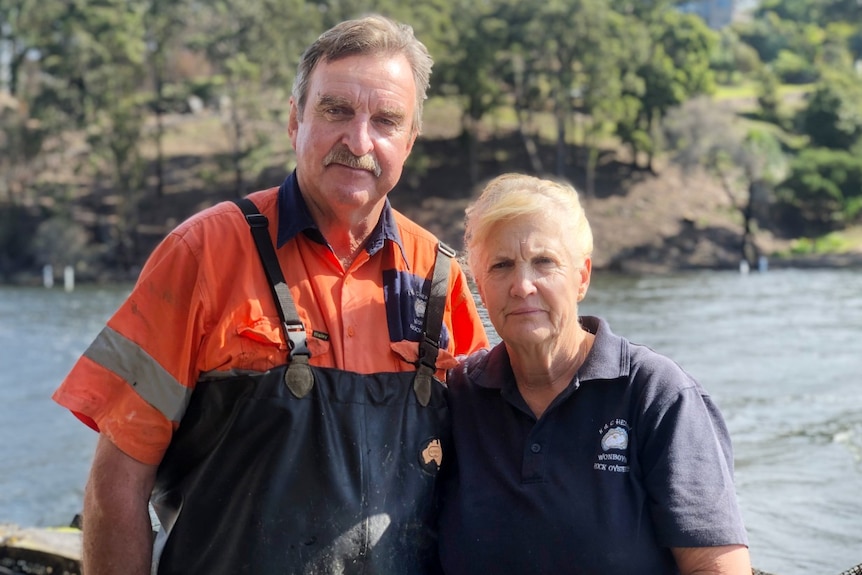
307, 470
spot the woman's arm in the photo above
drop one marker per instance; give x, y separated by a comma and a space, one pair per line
721, 560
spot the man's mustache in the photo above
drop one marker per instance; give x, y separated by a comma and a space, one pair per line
340, 154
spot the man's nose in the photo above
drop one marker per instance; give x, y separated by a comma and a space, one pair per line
358, 137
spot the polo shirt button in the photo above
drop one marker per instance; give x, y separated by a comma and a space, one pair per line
535, 448
351, 331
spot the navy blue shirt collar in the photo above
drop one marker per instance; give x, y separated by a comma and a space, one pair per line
294, 217
607, 360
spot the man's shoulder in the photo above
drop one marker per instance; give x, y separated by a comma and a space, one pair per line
411, 231
226, 214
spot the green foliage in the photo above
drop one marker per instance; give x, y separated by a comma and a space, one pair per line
768, 35
792, 68
831, 243
833, 117
824, 187
732, 60
99, 68
674, 69
794, 10
767, 96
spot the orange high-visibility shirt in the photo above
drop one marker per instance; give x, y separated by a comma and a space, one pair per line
202, 308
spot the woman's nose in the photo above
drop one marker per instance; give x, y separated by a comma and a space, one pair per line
523, 283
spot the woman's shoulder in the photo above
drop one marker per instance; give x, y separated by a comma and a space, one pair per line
484, 368
619, 358
469, 364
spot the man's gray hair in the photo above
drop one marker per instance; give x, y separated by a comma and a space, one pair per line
370, 35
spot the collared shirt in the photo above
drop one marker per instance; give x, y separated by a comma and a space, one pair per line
632, 459
202, 308
294, 217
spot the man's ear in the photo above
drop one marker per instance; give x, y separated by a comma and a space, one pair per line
412, 141
293, 120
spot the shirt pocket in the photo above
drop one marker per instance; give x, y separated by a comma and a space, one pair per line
262, 330
268, 332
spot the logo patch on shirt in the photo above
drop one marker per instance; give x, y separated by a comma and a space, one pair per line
406, 300
614, 445
431, 456
615, 438
320, 335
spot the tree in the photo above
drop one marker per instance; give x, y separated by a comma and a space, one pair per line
675, 69
824, 188
768, 34
747, 162
604, 77
732, 59
833, 116
21, 141
768, 97
93, 65
468, 67
255, 47
22, 24
164, 23
567, 57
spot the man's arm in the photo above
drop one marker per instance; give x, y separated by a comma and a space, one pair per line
721, 560
117, 532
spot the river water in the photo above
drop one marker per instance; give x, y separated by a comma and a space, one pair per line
781, 353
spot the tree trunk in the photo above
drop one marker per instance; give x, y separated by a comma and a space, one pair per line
160, 134
236, 124
561, 141
592, 162
529, 143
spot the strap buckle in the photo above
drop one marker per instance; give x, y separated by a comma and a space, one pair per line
296, 340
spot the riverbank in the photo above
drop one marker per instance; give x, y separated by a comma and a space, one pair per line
649, 224
643, 222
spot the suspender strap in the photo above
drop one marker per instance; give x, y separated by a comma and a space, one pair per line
429, 344
298, 376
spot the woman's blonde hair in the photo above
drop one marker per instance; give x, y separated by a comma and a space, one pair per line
513, 195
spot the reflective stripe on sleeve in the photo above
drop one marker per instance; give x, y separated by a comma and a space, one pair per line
151, 381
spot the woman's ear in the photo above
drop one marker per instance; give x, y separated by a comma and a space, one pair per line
585, 273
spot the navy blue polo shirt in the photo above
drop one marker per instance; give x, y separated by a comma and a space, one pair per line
633, 458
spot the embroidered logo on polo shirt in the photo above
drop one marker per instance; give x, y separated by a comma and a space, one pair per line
614, 439
431, 456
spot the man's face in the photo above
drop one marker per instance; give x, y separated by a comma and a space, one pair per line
355, 133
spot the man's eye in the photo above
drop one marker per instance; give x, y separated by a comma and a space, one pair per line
387, 122
500, 265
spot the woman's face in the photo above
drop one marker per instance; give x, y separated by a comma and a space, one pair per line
529, 281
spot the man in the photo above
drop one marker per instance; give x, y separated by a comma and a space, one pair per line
248, 475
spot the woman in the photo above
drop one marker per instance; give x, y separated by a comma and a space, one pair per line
576, 450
